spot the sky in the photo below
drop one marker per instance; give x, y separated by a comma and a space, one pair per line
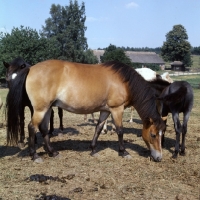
127, 23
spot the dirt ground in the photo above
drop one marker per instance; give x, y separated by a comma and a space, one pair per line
77, 175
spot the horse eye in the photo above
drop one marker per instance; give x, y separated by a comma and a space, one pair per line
153, 135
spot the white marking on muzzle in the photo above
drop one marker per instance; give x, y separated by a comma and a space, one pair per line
14, 75
157, 155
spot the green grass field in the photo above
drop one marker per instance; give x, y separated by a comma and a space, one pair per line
196, 61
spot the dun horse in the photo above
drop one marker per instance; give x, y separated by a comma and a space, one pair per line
12, 69
83, 89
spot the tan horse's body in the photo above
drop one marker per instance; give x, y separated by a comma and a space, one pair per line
83, 89
71, 90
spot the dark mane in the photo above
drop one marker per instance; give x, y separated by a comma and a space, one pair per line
141, 94
159, 84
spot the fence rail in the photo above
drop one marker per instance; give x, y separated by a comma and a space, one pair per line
175, 73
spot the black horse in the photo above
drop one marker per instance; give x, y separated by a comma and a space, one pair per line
175, 98
12, 69
178, 98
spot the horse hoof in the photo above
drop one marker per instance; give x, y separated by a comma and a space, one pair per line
128, 157
94, 154
103, 132
182, 153
174, 156
60, 134
57, 156
21, 145
38, 160
131, 120
54, 154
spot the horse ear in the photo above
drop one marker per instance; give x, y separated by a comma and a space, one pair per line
6, 64
23, 66
148, 122
151, 121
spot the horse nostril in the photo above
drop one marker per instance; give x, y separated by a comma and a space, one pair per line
158, 159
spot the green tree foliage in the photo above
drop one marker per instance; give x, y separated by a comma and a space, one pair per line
26, 43
89, 57
113, 53
67, 26
176, 47
195, 51
143, 49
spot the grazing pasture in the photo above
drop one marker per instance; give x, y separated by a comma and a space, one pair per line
77, 175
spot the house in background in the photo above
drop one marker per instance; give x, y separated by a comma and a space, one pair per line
145, 58
138, 57
177, 66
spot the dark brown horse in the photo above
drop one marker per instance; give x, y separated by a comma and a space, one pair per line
178, 98
12, 69
83, 89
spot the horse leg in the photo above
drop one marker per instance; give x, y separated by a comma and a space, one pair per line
43, 127
117, 114
39, 120
177, 127
132, 109
113, 126
184, 131
32, 150
60, 114
93, 118
163, 135
105, 127
85, 117
51, 123
102, 119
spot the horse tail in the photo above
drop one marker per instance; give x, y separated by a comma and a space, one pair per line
174, 97
14, 106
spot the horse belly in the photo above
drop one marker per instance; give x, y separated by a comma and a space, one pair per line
81, 100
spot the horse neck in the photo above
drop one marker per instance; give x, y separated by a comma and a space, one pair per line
143, 98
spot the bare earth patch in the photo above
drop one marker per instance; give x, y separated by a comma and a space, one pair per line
77, 175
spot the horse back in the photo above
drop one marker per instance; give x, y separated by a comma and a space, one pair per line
178, 96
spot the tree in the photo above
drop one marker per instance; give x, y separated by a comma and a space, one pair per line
113, 53
176, 47
26, 43
67, 26
89, 57
195, 50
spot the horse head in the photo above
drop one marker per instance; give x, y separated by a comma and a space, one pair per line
13, 68
152, 136
165, 76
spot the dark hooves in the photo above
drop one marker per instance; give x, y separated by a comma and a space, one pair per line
37, 159
54, 154
175, 155
182, 153
125, 154
21, 145
104, 131
94, 154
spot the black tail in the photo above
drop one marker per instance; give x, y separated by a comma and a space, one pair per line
174, 97
14, 105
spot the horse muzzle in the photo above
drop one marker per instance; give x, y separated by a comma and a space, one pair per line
156, 155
